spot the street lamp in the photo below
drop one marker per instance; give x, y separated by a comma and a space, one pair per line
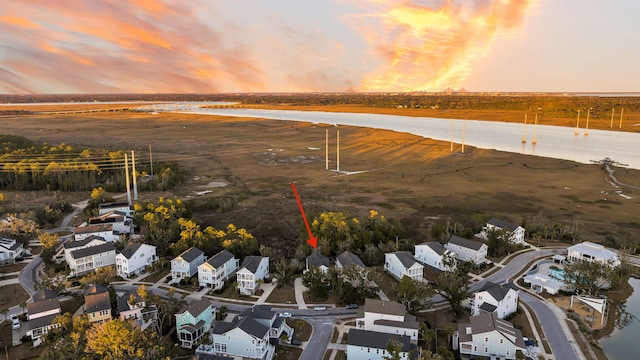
586, 129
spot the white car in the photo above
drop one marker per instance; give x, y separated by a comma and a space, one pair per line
285, 315
15, 324
319, 308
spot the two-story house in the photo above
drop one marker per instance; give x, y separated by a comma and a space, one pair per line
435, 255
515, 232
219, 268
132, 306
317, 260
486, 335
104, 231
588, 251
97, 304
402, 263
134, 258
85, 260
265, 315
186, 264
41, 314
254, 270
492, 297
10, 250
193, 321
121, 224
372, 345
346, 259
122, 207
387, 317
468, 250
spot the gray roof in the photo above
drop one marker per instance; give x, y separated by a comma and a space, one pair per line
97, 302
42, 321
42, 306
95, 289
594, 250
222, 327
251, 263
497, 291
219, 259
190, 254
253, 327
488, 322
503, 224
317, 260
197, 307
348, 258
400, 324
258, 312
83, 242
45, 294
114, 205
384, 307
467, 243
377, 340
92, 250
437, 247
93, 228
130, 249
191, 328
487, 307
123, 301
406, 258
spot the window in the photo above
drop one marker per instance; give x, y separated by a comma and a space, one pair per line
501, 341
486, 339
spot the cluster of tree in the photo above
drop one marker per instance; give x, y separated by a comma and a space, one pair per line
368, 237
589, 277
352, 284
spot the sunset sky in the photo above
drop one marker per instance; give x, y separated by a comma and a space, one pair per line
207, 46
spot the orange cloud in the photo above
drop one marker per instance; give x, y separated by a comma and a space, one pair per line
431, 47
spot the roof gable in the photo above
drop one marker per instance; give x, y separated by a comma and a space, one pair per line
503, 224
376, 340
219, 259
406, 258
317, 260
348, 258
466, 243
251, 263
190, 254
378, 306
93, 250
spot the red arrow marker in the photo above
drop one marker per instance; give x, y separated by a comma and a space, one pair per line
313, 241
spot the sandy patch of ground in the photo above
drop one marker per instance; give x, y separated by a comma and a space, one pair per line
587, 314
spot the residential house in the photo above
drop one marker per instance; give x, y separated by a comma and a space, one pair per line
436, 256
516, 233
134, 259
402, 263
132, 306
347, 259
120, 222
97, 304
219, 268
104, 231
85, 260
588, 251
317, 260
122, 207
492, 297
372, 345
254, 270
488, 336
265, 315
41, 314
10, 250
468, 250
387, 317
193, 321
186, 264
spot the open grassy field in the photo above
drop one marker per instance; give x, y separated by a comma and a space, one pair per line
405, 177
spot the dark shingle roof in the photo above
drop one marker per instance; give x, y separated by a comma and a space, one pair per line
488, 322
197, 307
406, 258
97, 302
467, 243
95, 289
384, 307
376, 340
251, 326
130, 249
45, 294
123, 301
497, 291
348, 258
92, 250
258, 312
83, 242
42, 321
42, 306
503, 224
114, 205
317, 260
251, 263
190, 254
219, 259
222, 327
437, 247
487, 307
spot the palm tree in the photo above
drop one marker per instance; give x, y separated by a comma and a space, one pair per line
23, 305
4, 312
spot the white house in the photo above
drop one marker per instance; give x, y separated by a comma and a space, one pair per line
104, 231
134, 258
219, 268
132, 306
253, 269
347, 259
486, 335
372, 345
588, 251
41, 313
245, 339
436, 256
121, 224
186, 264
468, 250
90, 258
388, 317
402, 263
265, 315
122, 207
317, 260
194, 321
492, 297
516, 232
10, 249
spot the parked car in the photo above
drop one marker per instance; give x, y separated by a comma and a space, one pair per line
319, 308
13, 317
285, 315
296, 342
351, 306
15, 324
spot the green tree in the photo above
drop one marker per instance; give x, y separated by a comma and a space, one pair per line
590, 276
49, 243
452, 285
4, 311
354, 284
498, 241
284, 274
316, 282
394, 351
414, 295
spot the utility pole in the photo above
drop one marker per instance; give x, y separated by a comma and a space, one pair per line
326, 149
150, 160
338, 151
464, 126
133, 171
126, 174
621, 112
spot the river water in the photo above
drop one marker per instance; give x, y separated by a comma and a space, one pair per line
621, 344
551, 141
